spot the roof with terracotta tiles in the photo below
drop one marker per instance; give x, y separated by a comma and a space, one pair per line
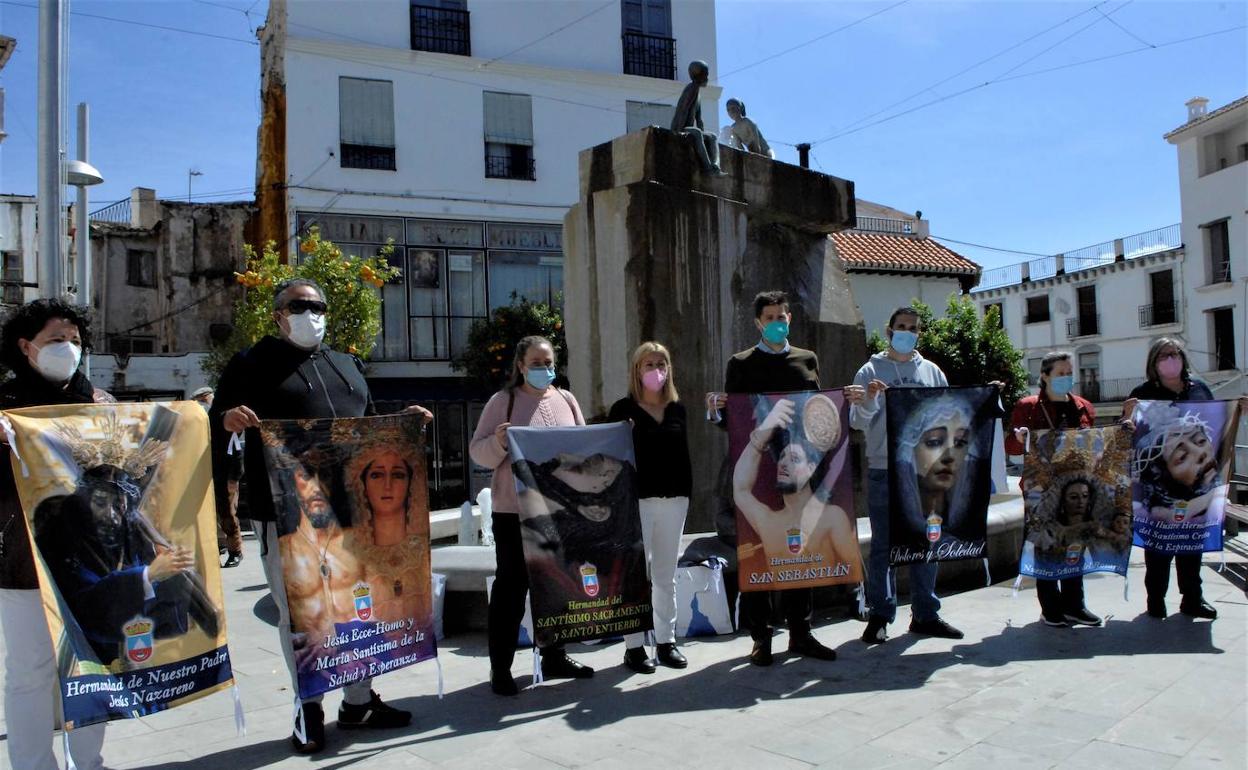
1207, 117
900, 253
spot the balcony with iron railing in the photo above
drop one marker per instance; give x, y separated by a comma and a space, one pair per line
1083, 326
1101, 391
117, 213
1117, 250
650, 56
510, 167
884, 225
441, 30
1159, 314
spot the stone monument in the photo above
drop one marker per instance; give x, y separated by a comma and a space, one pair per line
656, 249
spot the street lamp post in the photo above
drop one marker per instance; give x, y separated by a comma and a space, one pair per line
82, 175
191, 174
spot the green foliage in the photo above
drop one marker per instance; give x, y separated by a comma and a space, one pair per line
492, 341
970, 350
350, 284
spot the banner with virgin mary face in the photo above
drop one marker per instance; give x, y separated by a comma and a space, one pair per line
581, 530
120, 509
792, 490
353, 531
1183, 455
940, 474
1077, 497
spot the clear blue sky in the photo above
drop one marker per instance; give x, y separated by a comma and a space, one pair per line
1042, 163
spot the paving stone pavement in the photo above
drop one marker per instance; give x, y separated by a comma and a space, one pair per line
1137, 693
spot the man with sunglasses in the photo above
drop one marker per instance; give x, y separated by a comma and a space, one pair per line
290, 377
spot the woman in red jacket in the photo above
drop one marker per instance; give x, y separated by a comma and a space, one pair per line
1054, 408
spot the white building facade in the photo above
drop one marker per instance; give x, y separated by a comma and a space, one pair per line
452, 128
1106, 304
1213, 187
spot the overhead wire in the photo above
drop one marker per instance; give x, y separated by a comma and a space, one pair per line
161, 27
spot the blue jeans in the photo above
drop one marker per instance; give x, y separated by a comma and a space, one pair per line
924, 604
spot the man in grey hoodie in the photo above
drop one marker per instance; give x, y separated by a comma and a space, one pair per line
900, 366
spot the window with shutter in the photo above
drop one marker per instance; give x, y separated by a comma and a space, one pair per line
366, 123
508, 123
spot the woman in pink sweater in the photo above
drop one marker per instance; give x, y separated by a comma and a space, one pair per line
531, 400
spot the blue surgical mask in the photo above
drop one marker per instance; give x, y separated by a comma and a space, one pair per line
539, 377
776, 332
1061, 386
904, 342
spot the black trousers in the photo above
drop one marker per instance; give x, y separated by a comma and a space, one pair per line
511, 583
1157, 575
796, 604
1058, 597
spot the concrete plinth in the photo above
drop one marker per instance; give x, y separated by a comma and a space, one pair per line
657, 250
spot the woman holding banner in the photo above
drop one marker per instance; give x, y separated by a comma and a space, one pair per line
664, 482
529, 399
1055, 407
1169, 378
42, 343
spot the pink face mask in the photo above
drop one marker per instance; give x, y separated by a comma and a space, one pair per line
654, 380
1169, 368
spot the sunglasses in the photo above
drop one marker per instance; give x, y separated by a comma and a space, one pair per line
298, 306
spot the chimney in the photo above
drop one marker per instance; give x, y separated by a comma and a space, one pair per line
1196, 108
144, 208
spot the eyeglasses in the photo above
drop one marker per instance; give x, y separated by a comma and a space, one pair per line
298, 306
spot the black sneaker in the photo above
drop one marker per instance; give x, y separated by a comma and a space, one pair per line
374, 714
670, 656
808, 646
311, 718
877, 630
232, 560
1081, 617
637, 660
559, 666
761, 654
1054, 619
503, 684
935, 627
1198, 609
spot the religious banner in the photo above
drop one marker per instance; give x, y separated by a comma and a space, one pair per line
792, 490
1077, 497
1183, 454
940, 475
581, 529
120, 509
353, 531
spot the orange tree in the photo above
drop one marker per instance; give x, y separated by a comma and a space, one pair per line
492, 341
351, 290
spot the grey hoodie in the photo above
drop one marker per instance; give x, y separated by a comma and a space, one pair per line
918, 372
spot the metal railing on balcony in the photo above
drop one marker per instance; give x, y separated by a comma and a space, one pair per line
1159, 314
441, 30
1108, 390
1083, 326
885, 225
509, 167
650, 56
118, 213
1129, 247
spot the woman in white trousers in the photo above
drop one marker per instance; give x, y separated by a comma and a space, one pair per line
664, 481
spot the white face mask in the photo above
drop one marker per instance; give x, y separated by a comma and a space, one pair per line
57, 361
306, 330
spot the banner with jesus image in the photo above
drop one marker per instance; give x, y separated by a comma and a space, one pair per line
1183, 455
119, 503
940, 471
580, 526
1077, 496
792, 490
353, 530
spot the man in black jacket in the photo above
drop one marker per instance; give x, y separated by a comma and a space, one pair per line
775, 366
288, 378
